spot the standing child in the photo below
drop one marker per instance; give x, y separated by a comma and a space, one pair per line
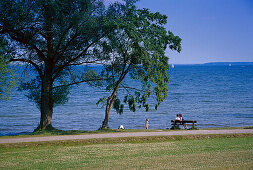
147, 125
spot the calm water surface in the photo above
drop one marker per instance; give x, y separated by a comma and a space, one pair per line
215, 96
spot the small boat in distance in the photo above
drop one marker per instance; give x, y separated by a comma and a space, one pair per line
172, 66
230, 65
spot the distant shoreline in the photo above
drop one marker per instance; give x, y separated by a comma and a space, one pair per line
228, 63
219, 64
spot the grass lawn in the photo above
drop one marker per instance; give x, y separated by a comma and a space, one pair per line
225, 152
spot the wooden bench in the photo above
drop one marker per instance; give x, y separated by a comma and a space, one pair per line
175, 123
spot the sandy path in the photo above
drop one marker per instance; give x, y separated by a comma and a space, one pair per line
116, 135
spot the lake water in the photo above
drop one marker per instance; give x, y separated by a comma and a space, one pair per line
215, 96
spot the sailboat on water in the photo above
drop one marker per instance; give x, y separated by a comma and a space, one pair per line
172, 66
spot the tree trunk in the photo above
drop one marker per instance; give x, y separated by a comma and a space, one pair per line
109, 105
111, 99
46, 101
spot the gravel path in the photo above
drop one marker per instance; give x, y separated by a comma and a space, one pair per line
116, 135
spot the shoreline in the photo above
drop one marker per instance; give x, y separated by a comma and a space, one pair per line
83, 132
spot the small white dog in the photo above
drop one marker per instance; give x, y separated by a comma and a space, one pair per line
121, 127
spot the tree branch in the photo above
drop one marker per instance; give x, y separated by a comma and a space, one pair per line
79, 82
73, 37
58, 71
29, 62
18, 39
87, 62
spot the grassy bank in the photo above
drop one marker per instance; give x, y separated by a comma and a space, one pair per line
193, 151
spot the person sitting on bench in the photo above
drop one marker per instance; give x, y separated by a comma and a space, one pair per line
177, 118
181, 119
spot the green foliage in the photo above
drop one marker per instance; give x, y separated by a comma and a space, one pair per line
59, 94
102, 101
33, 87
175, 42
118, 106
7, 76
51, 36
137, 99
137, 50
91, 77
7, 79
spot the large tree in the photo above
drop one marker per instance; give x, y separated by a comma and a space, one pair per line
50, 37
137, 49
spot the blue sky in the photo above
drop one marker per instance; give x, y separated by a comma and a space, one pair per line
211, 30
